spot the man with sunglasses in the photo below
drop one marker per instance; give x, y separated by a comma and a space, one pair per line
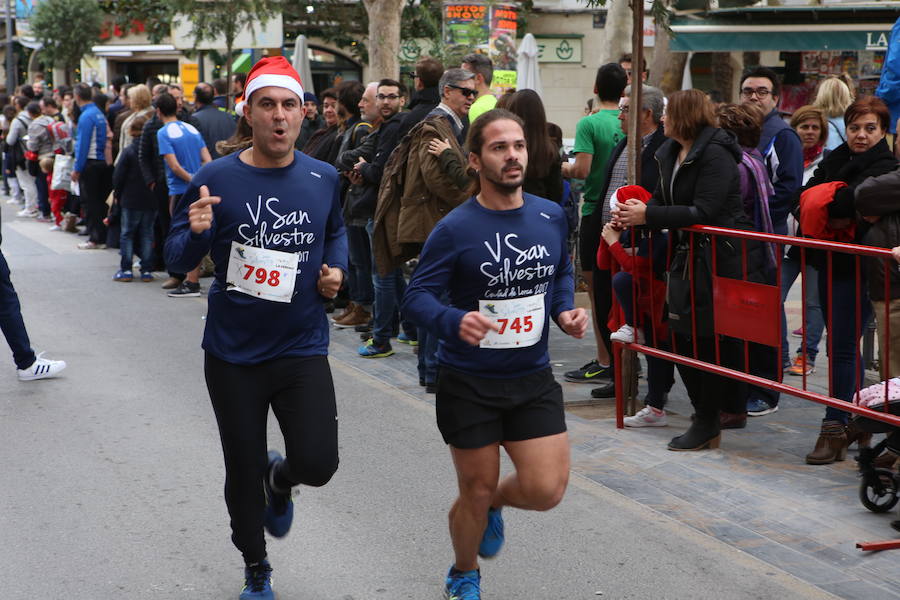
783, 153
458, 93
366, 175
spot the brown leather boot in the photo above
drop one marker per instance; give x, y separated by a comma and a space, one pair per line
348, 310
862, 438
831, 445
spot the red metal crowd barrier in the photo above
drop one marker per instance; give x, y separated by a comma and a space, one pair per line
751, 311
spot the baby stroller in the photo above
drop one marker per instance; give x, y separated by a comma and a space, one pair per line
880, 482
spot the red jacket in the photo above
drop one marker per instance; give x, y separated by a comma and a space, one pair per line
814, 213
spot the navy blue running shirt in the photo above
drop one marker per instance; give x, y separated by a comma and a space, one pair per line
289, 209
479, 254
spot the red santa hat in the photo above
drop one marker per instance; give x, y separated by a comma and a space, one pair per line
628, 192
272, 71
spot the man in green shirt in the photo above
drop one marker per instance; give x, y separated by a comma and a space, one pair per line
595, 137
483, 68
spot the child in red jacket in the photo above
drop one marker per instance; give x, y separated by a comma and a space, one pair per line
57, 197
639, 256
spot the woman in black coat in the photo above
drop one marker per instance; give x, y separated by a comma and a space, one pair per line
699, 185
865, 154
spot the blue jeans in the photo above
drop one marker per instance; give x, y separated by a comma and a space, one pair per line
11, 322
359, 278
43, 193
138, 223
815, 322
388, 292
846, 363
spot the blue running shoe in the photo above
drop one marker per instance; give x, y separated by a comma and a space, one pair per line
405, 339
279, 506
462, 585
492, 540
370, 350
258, 582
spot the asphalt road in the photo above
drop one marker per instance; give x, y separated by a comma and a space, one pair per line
111, 476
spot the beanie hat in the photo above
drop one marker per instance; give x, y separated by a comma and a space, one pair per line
310, 97
272, 71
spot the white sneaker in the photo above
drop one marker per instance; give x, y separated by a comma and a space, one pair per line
89, 245
12, 200
626, 335
55, 228
28, 212
647, 418
42, 368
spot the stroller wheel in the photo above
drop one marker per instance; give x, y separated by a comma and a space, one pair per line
878, 492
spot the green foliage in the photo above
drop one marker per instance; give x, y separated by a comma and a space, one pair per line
67, 29
211, 19
659, 11
156, 15
343, 24
346, 25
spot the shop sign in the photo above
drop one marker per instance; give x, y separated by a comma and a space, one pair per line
877, 40
414, 49
466, 24
190, 77
559, 50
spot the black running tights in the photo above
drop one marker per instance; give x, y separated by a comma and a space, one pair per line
301, 394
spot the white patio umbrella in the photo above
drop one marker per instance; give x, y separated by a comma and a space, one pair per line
301, 64
528, 75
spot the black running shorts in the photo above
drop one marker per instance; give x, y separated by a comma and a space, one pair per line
473, 412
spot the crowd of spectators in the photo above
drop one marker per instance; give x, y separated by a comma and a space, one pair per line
111, 166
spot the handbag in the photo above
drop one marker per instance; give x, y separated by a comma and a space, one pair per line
685, 275
32, 164
62, 172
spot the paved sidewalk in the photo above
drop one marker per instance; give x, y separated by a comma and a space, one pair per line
754, 494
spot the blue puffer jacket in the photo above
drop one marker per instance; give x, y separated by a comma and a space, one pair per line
889, 86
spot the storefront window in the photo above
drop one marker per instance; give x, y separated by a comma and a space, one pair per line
804, 71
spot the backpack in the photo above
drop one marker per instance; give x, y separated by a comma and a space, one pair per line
16, 152
393, 176
390, 193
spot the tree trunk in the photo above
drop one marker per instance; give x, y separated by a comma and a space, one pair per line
229, 95
384, 37
723, 73
667, 68
618, 31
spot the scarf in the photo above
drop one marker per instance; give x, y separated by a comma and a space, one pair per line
811, 154
762, 218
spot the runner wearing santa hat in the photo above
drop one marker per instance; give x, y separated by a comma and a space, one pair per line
271, 219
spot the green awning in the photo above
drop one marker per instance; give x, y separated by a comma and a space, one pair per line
728, 38
839, 26
242, 63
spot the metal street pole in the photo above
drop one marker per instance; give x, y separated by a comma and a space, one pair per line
629, 357
10, 59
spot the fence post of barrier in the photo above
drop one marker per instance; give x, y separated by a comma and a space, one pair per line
885, 346
617, 378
